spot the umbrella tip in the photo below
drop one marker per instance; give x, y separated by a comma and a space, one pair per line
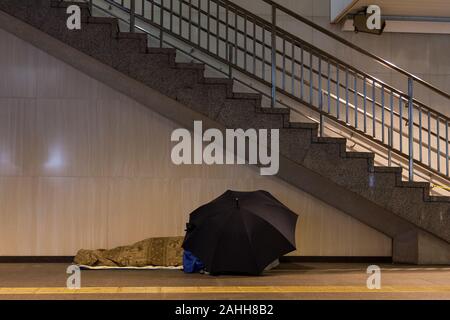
237, 203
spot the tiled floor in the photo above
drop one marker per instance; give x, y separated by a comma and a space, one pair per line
288, 281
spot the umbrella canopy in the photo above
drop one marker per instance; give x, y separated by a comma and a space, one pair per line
241, 232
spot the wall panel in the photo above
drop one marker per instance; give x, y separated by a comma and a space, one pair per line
82, 166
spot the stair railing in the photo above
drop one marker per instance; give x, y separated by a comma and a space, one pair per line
414, 107
294, 68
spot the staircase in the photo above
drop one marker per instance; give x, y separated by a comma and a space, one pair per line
418, 222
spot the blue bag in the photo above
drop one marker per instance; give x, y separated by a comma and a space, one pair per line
191, 264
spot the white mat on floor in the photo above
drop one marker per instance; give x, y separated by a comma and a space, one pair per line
129, 268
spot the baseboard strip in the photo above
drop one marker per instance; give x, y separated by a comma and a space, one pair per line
36, 259
336, 259
304, 259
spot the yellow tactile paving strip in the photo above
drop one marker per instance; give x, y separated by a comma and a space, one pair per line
225, 289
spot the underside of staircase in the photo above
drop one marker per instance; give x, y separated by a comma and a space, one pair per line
418, 223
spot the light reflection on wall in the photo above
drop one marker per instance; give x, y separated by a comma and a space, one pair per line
4, 158
372, 180
55, 159
7, 164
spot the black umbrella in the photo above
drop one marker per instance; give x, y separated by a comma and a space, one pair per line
241, 232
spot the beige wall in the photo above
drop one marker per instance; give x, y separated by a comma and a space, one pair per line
82, 166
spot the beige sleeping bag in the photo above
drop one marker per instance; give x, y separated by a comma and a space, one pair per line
164, 252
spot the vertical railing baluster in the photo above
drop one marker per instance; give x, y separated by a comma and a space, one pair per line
390, 148
400, 120
338, 102
292, 68
132, 15
391, 124
171, 14
236, 38
420, 134
263, 71
283, 79
438, 144
411, 129
429, 138
152, 7
274, 57
91, 5
199, 23
190, 20
446, 149
355, 101
374, 117
391, 128
329, 85
254, 46
365, 103
302, 69
208, 21
311, 94
382, 113
320, 100
230, 58
217, 29
227, 42
245, 42
161, 19
180, 9
346, 95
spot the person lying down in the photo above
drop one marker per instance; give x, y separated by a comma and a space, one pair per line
153, 252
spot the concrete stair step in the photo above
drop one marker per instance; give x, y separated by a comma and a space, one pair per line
388, 169
206, 99
331, 140
303, 125
132, 43
165, 79
413, 184
439, 199
248, 96
94, 40
137, 65
240, 113
285, 112
114, 22
295, 143
365, 155
168, 51
227, 83
265, 110
187, 65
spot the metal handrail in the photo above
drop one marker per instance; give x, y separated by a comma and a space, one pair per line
331, 128
411, 102
414, 107
357, 48
316, 72
333, 60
